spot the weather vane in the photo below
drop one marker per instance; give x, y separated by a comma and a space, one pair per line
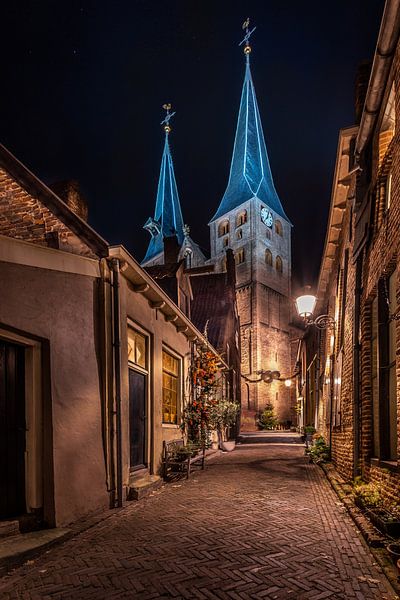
168, 117
245, 40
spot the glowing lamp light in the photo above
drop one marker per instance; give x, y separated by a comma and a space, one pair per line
288, 382
305, 305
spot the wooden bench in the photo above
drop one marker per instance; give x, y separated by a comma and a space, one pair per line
173, 463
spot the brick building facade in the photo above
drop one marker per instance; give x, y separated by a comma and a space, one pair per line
356, 385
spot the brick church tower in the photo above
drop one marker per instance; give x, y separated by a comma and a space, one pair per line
251, 220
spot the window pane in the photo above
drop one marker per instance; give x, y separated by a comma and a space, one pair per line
136, 348
393, 412
170, 388
392, 324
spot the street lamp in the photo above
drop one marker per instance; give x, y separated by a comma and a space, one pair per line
305, 306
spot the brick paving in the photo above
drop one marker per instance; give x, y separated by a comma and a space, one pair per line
259, 522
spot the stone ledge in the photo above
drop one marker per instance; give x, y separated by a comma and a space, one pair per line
141, 487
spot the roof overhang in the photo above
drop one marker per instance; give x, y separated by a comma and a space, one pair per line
145, 285
343, 180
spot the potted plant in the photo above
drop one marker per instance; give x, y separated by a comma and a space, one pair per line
267, 419
222, 415
309, 431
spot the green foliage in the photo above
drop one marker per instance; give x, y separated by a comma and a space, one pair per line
267, 419
369, 493
309, 430
223, 414
319, 451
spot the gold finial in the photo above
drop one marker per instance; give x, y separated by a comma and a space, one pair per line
168, 117
245, 40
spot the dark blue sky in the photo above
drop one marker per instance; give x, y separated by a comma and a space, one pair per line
83, 84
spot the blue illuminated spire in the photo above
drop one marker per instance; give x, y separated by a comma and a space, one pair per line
167, 219
250, 175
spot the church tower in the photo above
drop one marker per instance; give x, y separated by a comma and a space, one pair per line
168, 221
251, 220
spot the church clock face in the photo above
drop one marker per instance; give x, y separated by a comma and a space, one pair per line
266, 217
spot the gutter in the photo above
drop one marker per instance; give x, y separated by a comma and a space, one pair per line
384, 53
144, 284
115, 268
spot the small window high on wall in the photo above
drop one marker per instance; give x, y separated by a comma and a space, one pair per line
241, 218
268, 257
278, 228
279, 264
223, 228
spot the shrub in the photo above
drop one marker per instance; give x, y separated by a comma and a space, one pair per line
267, 419
319, 451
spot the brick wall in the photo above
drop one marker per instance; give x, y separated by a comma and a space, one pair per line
24, 217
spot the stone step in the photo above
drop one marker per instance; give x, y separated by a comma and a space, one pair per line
270, 437
9, 528
143, 485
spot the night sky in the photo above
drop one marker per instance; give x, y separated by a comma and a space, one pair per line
83, 85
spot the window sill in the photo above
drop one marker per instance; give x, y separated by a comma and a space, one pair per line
390, 465
170, 425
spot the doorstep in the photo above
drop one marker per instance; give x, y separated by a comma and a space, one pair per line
142, 485
20, 547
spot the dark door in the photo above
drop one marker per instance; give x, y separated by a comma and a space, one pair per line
12, 430
137, 418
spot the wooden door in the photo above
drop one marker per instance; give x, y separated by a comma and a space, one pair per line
137, 419
12, 430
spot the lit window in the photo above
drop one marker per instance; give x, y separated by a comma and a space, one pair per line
223, 264
170, 368
225, 242
223, 228
239, 234
136, 348
241, 218
268, 257
239, 256
279, 264
388, 191
278, 227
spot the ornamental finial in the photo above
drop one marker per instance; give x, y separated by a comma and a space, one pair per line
245, 40
168, 117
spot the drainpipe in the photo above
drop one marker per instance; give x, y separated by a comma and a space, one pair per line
117, 372
356, 369
385, 49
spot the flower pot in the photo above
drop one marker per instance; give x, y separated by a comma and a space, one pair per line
384, 522
394, 551
228, 446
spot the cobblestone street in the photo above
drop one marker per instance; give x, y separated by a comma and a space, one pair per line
260, 522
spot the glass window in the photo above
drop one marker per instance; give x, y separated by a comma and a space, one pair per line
136, 348
170, 366
278, 227
374, 375
268, 234
225, 242
239, 234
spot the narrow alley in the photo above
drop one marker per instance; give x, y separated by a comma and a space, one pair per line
259, 522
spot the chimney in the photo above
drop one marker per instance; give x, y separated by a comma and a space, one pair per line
69, 192
230, 268
361, 87
171, 250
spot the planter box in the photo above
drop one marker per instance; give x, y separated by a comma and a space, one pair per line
384, 522
228, 446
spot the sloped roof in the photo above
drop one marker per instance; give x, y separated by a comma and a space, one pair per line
211, 305
250, 175
168, 214
56, 205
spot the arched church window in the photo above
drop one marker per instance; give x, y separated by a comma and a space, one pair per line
239, 256
225, 242
223, 228
278, 227
223, 264
268, 257
188, 259
268, 233
279, 264
241, 218
239, 234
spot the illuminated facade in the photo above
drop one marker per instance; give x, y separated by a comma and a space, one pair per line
251, 221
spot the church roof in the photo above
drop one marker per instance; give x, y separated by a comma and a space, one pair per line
250, 175
167, 219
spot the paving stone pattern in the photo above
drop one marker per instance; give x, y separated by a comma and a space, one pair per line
259, 522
